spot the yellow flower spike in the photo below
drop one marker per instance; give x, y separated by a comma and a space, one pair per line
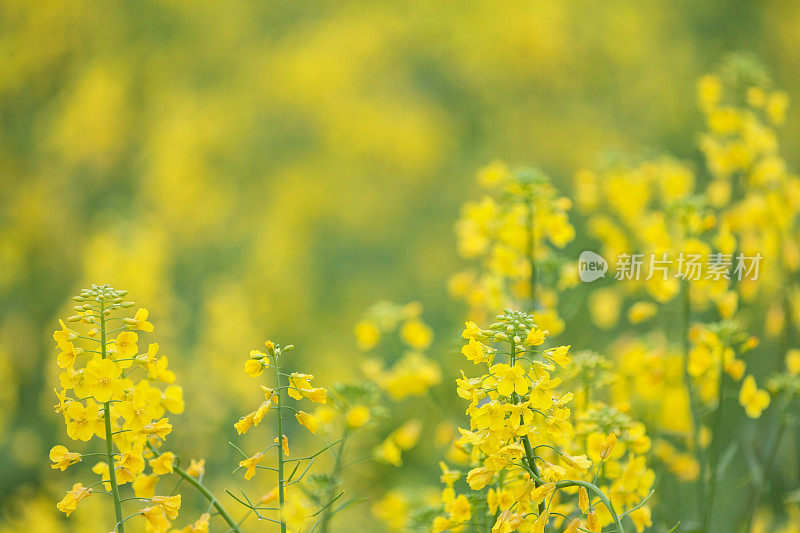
200, 525
163, 464
793, 361
244, 424
254, 367
393, 510
250, 464
407, 435
139, 321
317, 395
367, 335
270, 346
583, 500
777, 104
580, 462
70, 502
416, 334
357, 416
269, 497
608, 446
160, 428
308, 421
156, 518
471, 331
641, 312
753, 399
127, 466
493, 174
460, 510
66, 358
641, 518
157, 370
542, 492
84, 420
172, 399
735, 368
197, 468
100, 380
284, 445
144, 486
559, 355
389, 451
541, 522
170, 504
536, 337
474, 351
63, 458
126, 344
593, 522
448, 476
101, 469
510, 379
477, 478
64, 334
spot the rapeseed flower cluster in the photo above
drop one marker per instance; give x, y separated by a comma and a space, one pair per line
551, 439
511, 235
399, 328
117, 392
532, 467
303, 501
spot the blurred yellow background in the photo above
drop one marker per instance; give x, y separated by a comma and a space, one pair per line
269, 169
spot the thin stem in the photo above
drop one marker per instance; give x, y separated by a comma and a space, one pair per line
687, 380
280, 443
767, 470
112, 475
593, 488
334, 481
526, 443
715, 444
202, 490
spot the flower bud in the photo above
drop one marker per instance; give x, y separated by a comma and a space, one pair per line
608, 446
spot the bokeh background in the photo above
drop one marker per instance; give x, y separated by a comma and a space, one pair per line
269, 169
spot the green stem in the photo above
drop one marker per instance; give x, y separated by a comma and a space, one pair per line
693, 407
112, 475
596, 490
526, 443
281, 482
714, 456
204, 491
768, 464
334, 481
